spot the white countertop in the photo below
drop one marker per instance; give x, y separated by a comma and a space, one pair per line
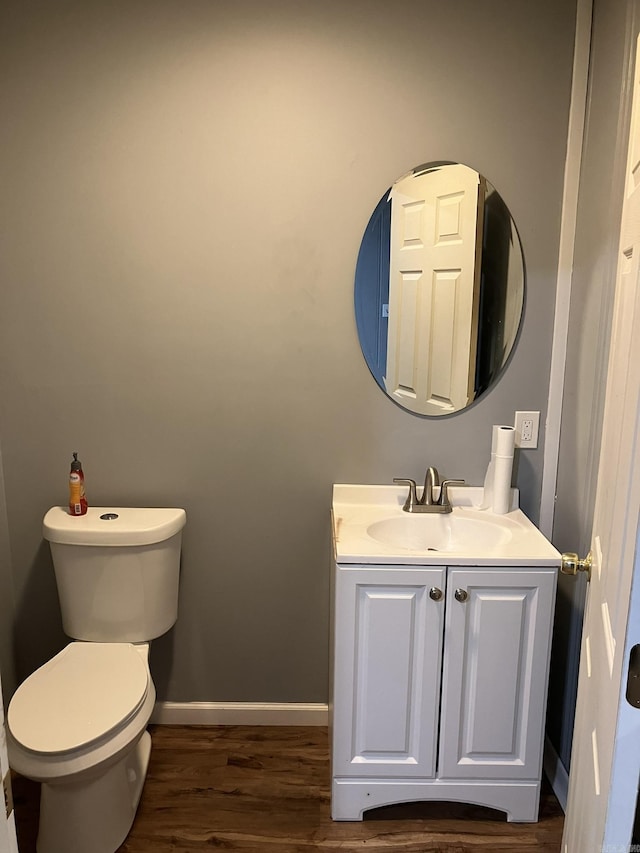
356, 507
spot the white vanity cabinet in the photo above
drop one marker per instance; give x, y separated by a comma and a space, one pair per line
439, 683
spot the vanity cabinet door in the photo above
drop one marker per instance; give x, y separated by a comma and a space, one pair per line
387, 663
497, 641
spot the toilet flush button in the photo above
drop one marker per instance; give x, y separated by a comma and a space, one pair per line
109, 516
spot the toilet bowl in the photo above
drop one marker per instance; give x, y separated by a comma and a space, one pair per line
77, 725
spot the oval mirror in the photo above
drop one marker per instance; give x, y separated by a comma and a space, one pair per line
439, 288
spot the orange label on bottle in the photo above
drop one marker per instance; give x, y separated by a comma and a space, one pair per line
76, 488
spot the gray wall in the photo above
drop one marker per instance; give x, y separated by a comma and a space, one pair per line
185, 186
597, 234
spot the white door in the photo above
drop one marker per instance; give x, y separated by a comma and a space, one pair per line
436, 232
605, 762
8, 841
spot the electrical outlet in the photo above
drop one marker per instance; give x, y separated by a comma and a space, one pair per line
527, 425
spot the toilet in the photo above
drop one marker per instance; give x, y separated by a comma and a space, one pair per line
78, 724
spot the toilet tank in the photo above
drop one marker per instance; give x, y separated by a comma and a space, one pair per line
117, 571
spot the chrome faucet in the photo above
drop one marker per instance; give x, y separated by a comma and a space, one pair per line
426, 502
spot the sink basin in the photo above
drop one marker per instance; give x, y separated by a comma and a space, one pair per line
449, 532
371, 528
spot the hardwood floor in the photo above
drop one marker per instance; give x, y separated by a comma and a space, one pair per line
259, 789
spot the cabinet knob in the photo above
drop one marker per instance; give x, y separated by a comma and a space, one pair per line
435, 593
461, 595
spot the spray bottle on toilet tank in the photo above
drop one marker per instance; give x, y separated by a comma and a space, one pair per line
77, 499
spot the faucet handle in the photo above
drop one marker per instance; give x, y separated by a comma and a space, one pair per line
412, 497
443, 500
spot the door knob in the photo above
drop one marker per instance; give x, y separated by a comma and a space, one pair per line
572, 564
435, 593
461, 595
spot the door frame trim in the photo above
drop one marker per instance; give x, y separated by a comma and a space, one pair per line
573, 163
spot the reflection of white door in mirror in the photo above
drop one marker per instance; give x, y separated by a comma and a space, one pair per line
441, 338
434, 288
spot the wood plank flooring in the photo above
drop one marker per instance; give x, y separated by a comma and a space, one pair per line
263, 789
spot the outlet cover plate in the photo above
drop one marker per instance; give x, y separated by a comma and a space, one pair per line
527, 425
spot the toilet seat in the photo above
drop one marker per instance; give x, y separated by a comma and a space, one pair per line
83, 694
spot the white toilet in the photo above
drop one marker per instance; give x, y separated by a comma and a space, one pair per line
78, 724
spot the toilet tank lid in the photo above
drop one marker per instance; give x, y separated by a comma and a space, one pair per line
112, 526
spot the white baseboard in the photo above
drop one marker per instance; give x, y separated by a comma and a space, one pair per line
556, 774
241, 714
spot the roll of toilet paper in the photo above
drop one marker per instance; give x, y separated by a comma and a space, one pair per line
505, 439
502, 443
